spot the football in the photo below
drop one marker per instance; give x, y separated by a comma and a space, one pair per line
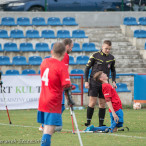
136, 106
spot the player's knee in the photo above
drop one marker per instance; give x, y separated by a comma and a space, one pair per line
102, 105
58, 128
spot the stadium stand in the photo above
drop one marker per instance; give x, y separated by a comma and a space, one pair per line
19, 60
71, 60
77, 90
145, 46
90, 47
16, 34
69, 21
78, 34
10, 47
76, 47
54, 21
130, 21
76, 71
140, 33
35, 60
23, 21
122, 87
42, 47
82, 60
4, 60
3, 34
38, 21
32, 34
1, 72
1, 50
48, 34
142, 20
26, 47
85, 89
63, 34
28, 71
12, 72
8, 21
47, 57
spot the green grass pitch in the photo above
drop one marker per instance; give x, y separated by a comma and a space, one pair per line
24, 129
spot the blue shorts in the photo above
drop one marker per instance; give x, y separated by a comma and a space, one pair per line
49, 118
120, 114
63, 99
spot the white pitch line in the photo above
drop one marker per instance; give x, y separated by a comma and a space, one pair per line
111, 134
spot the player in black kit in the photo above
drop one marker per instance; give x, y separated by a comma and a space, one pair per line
99, 61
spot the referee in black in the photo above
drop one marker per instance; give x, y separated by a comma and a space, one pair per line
99, 61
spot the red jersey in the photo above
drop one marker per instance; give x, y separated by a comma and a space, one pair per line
66, 59
110, 94
54, 76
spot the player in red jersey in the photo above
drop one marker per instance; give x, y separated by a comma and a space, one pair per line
113, 101
55, 77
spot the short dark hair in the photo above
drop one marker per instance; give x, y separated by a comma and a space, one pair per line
97, 75
67, 41
108, 42
59, 49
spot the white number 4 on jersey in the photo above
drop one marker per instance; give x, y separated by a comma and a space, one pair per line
45, 76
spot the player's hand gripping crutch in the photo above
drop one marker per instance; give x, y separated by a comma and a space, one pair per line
5, 100
71, 103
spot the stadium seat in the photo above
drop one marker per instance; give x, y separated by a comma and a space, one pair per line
54, 21
47, 57
3, 34
76, 71
39, 72
77, 90
8, 21
10, 47
78, 34
26, 47
48, 34
122, 87
145, 46
12, 72
4, 60
69, 21
38, 21
1, 50
16, 33
32, 34
19, 60
28, 71
82, 60
42, 47
63, 34
71, 60
89, 47
142, 20
140, 33
76, 47
35, 60
23, 21
130, 21
52, 45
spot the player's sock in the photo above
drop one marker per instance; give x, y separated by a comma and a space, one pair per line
63, 108
46, 140
90, 112
102, 128
113, 125
101, 116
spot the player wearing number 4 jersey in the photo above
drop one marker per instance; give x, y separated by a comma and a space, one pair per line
55, 77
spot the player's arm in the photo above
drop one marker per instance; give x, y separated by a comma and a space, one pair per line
113, 73
88, 66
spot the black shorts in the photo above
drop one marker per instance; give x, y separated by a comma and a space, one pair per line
95, 89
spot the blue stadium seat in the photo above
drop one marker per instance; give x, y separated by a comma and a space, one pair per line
63, 34
38, 21
28, 71
122, 87
82, 60
10, 47
4, 60
76, 47
42, 47
130, 21
52, 45
145, 46
8, 21
12, 72
23, 21
32, 34
16, 33
142, 20
47, 57
19, 60
1, 50
71, 60
69, 21
76, 71
39, 72
26, 47
48, 34
88, 47
78, 34
3, 34
85, 89
77, 90
54, 21
140, 33
35, 60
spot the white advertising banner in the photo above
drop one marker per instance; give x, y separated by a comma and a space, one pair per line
20, 92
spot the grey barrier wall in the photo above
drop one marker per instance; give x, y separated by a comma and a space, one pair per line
84, 19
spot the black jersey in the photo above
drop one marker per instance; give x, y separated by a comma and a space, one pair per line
101, 62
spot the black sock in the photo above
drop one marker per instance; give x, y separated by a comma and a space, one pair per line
90, 112
101, 116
